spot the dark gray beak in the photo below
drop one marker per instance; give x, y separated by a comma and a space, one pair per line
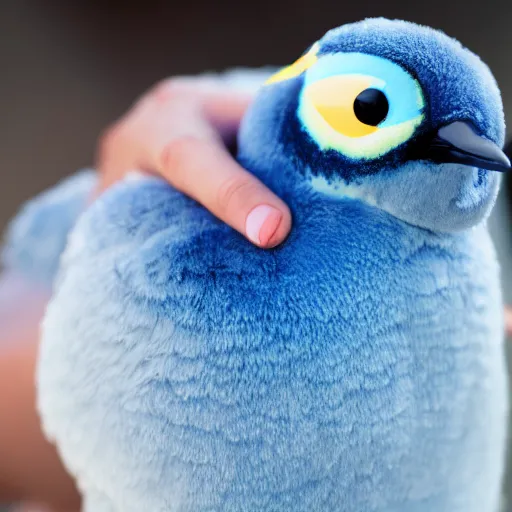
458, 143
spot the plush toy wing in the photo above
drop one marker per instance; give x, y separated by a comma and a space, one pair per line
38, 235
34, 242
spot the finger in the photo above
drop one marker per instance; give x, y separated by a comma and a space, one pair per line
225, 111
220, 105
204, 170
116, 155
220, 102
194, 160
176, 107
125, 146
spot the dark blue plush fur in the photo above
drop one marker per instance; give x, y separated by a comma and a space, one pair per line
358, 367
456, 83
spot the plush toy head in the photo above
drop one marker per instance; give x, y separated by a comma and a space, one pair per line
398, 115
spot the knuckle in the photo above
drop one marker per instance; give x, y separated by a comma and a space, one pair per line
109, 139
170, 90
235, 191
174, 155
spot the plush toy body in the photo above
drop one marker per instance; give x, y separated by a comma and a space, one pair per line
363, 377
356, 368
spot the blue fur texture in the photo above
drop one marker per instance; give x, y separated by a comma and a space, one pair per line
36, 238
358, 367
457, 86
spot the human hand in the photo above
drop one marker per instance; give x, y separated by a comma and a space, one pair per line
180, 130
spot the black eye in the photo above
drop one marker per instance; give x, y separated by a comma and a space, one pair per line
371, 107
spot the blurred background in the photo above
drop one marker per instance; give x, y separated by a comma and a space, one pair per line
69, 68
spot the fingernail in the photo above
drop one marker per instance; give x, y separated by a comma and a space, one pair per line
262, 223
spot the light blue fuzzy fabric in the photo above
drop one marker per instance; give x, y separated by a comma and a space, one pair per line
37, 236
358, 367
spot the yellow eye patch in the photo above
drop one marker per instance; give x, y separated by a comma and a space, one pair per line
298, 67
334, 97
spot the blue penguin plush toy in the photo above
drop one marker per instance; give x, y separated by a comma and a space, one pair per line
358, 367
